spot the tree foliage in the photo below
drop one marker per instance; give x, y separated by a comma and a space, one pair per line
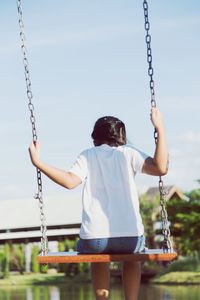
34, 264
6, 261
17, 258
185, 219
149, 212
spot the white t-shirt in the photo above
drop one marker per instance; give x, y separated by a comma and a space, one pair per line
110, 198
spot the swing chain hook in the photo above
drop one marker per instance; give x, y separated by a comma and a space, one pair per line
43, 228
167, 245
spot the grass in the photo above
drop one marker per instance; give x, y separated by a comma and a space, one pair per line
48, 279
185, 270
42, 279
185, 264
31, 279
178, 278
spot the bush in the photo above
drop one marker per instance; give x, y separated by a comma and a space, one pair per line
44, 269
184, 215
185, 264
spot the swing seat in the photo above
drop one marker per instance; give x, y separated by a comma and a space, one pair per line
75, 257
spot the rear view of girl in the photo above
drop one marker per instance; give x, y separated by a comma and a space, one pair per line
111, 220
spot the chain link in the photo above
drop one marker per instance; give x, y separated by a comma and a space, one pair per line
167, 245
44, 240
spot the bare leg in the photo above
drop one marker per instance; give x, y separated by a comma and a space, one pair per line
101, 280
131, 279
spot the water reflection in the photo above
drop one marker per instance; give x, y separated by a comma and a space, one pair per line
84, 292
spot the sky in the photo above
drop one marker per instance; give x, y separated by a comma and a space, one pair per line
87, 59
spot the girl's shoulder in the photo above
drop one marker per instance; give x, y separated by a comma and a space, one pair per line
133, 151
128, 148
124, 148
87, 151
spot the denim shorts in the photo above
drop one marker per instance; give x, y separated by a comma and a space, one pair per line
112, 245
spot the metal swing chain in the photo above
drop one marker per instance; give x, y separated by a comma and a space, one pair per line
44, 240
167, 245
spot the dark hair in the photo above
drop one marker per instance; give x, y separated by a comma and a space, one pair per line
109, 130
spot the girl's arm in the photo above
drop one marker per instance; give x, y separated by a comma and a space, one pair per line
61, 177
158, 165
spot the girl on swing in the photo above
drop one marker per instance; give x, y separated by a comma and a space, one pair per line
111, 220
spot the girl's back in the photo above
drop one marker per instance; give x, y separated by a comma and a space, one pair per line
110, 201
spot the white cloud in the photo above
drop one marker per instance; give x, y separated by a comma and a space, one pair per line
191, 137
101, 33
177, 23
71, 37
181, 104
185, 160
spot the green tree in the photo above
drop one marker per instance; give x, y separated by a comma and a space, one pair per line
149, 212
185, 218
17, 257
70, 245
61, 248
1, 261
34, 264
6, 261
73, 268
194, 195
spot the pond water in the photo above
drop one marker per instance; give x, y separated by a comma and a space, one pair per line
84, 292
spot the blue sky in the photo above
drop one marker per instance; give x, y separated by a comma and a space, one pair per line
88, 59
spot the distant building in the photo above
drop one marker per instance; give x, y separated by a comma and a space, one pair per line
20, 221
20, 218
172, 192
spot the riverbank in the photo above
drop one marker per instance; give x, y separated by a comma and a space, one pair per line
178, 278
42, 279
60, 278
